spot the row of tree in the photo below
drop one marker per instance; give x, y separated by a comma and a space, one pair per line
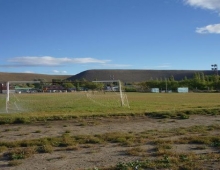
198, 82
77, 85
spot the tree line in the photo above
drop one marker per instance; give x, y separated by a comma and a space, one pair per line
198, 82
77, 85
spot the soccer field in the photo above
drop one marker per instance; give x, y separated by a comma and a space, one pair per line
155, 128
100, 103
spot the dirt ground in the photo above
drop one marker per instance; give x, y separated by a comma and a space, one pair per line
100, 155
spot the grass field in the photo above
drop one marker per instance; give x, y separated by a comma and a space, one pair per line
76, 104
155, 131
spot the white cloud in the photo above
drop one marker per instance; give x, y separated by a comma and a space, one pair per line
28, 72
205, 4
213, 5
215, 28
48, 61
116, 65
52, 61
55, 71
59, 72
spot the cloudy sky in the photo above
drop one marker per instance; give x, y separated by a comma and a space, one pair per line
71, 36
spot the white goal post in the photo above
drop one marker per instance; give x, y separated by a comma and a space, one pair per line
8, 90
123, 97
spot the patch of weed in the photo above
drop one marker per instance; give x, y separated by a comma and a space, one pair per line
67, 131
3, 148
14, 162
136, 151
45, 149
37, 131
20, 153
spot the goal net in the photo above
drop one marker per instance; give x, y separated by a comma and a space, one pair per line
112, 91
13, 103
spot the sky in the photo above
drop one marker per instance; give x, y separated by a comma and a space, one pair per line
66, 37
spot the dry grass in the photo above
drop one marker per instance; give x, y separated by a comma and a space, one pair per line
163, 155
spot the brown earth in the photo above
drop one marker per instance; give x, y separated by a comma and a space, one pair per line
98, 155
130, 76
4, 77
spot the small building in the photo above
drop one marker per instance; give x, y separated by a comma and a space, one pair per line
3, 88
183, 90
155, 90
53, 88
114, 88
19, 89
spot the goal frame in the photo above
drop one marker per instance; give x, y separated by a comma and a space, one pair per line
120, 88
8, 90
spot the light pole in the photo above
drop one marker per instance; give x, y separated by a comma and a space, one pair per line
215, 68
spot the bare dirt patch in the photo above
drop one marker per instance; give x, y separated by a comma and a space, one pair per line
89, 156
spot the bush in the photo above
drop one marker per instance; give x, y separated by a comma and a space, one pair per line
129, 89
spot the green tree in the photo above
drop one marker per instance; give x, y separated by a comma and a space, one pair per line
56, 81
68, 85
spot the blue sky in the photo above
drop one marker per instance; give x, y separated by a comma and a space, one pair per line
71, 36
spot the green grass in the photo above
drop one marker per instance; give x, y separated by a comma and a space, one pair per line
58, 106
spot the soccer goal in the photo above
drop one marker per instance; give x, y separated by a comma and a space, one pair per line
116, 86
11, 105
14, 100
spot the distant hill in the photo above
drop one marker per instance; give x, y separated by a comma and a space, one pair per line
135, 75
4, 77
127, 76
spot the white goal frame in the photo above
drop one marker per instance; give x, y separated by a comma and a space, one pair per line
8, 90
122, 97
